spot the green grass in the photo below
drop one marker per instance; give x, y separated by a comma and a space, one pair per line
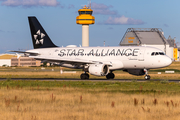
123, 87
163, 70
55, 69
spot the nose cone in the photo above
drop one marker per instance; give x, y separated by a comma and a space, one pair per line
167, 61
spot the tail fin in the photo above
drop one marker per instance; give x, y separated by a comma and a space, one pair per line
39, 36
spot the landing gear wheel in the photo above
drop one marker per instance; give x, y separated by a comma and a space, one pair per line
147, 77
84, 76
110, 76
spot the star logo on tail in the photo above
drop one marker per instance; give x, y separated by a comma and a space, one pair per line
39, 38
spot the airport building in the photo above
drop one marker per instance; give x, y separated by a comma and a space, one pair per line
5, 59
13, 60
24, 61
153, 37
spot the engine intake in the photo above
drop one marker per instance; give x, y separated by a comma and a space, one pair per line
98, 69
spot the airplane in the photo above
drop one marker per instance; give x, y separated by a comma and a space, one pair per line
98, 61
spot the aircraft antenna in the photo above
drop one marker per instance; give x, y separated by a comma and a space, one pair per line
89, 4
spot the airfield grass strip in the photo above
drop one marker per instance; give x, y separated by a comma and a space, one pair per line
89, 100
114, 86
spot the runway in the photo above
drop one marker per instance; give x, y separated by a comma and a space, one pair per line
70, 79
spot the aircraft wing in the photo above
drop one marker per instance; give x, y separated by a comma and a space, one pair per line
69, 61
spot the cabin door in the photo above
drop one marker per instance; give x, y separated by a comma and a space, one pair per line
141, 55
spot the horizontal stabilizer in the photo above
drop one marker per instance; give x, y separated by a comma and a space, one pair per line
34, 52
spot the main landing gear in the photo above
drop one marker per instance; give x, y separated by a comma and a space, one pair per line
110, 75
84, 76
147, 77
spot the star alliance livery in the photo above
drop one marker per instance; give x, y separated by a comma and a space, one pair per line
98, 61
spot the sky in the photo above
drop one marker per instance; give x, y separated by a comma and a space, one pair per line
58, 17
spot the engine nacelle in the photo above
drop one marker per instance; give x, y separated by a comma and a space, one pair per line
137, 72
98, 69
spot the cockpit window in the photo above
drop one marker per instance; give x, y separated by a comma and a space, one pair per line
152, 53
157, 53
161, 53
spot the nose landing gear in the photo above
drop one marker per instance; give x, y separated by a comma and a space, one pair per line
147, 77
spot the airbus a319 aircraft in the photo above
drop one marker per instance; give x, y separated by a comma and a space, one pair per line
98, 61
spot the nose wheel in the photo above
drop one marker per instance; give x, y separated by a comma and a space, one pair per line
84, 76
147, 77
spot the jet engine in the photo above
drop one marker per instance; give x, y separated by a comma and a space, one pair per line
137, 72
98, 69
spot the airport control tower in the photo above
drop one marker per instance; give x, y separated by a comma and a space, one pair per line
85, 18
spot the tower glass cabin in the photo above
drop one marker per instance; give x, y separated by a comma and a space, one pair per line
85, 16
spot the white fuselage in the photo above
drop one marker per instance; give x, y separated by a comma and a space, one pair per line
126, 57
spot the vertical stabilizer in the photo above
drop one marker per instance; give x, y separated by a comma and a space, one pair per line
39, 36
